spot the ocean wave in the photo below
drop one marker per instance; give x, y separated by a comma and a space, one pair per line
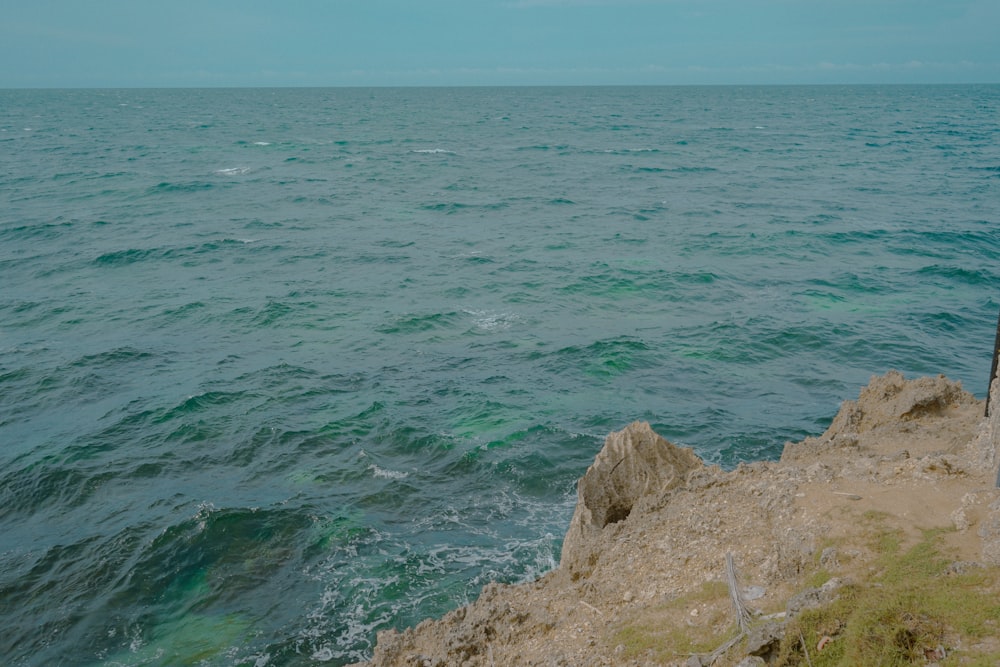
958, 274
451, 207
119, 258
417, 323
191, 186
113, 358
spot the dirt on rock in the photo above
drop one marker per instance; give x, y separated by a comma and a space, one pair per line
643, 577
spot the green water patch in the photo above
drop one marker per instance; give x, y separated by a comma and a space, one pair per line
615, 357
603, 359
210, 560
194, 639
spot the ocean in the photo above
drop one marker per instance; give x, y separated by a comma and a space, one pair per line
280, 368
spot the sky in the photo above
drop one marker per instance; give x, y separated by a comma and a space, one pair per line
186, 43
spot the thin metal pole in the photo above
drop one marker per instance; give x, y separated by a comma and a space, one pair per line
993, 369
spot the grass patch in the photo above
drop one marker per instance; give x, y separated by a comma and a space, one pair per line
669, 630
818, 578
910, 607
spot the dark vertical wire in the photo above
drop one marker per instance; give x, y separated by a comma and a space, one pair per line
993, 369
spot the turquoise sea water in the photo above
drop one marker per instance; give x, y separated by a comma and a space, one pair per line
280, 368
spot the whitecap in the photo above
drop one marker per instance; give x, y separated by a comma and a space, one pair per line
323, 654
488, 320
388, 474
262, 143
630, 150
433, 151
232, 171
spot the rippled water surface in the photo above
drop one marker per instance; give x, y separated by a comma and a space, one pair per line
280, 368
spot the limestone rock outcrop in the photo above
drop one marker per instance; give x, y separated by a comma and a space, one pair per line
635, 467
886, 405
892, 398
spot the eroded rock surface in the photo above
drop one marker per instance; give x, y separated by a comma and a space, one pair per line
635, 468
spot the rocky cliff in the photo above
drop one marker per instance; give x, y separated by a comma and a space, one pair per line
907, 471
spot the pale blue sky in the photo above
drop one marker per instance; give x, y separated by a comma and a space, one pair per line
111, 43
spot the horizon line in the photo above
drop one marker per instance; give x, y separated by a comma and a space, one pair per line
506, 85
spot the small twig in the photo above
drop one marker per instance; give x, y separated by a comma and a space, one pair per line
489, 652
805, 648
739, 606
591, 607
